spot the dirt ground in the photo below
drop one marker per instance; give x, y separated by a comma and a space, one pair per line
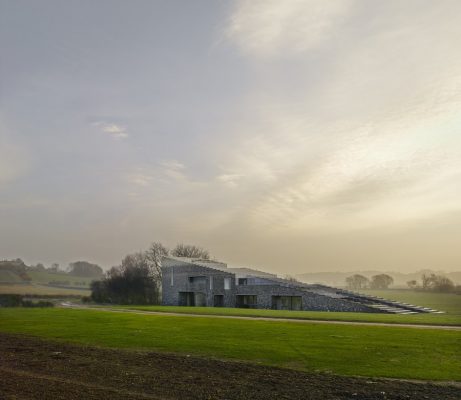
32, 368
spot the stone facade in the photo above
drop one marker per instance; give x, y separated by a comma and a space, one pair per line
212, 284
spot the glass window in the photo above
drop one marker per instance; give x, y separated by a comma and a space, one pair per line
227, 283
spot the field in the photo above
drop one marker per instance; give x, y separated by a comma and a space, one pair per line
38, 289
35, 369
11, 283
46, 277
344, 350
450, 303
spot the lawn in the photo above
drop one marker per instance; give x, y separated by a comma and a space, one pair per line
346, 350
448, 302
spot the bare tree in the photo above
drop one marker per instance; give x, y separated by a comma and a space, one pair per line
154, 254
357, 282
437, 283
381, 281
413, 284
190, 251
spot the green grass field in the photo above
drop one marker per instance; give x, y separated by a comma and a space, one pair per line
346, 350
8, 276
451, 303
45, 277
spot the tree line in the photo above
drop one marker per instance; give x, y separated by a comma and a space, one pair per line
380, 281
435, 283
432, 282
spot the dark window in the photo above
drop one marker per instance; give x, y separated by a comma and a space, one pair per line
197, 279
246, 301
243, 281
287, 303
218, 300
193, 299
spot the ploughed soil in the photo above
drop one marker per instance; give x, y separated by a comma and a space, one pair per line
32, 368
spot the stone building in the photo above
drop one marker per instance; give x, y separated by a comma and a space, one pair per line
208, 283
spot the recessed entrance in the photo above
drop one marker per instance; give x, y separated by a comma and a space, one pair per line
218, 300
287, 303
246, 301
192, 299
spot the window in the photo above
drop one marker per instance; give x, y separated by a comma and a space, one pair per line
287, 303
172, 277
246, 301
242, 281
227, 283
218, 300
197, 279
211, 282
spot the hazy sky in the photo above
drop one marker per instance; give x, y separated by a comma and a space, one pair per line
293, 135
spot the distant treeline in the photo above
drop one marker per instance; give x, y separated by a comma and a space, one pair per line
337, 278
77, 268
432, 282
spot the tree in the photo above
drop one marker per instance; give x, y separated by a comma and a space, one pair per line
381, 281
155, 254
190, 251
54, 267
413, 284
357, 282
437, 283
133, 282
84, 268
291, 278
40, 267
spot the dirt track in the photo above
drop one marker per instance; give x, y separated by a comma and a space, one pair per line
31, 368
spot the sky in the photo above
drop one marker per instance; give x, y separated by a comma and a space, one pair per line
292, 136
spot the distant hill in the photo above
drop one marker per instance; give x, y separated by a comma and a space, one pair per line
400, 279
16, 271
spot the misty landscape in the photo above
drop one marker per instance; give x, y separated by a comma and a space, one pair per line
235, 199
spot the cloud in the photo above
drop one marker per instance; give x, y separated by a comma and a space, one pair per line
268, 27
230, 180
361, 124
114, 130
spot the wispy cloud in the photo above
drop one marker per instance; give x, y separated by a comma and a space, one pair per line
268, 27
114, 130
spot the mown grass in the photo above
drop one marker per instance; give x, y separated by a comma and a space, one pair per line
346, 350
448, 302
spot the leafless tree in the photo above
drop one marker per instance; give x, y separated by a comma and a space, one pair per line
381, 281
357, 282
190, 251
154, 254
413, 284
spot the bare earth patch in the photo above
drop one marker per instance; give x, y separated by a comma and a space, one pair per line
31, 368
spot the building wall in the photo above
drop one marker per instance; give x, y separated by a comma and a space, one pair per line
181, 271
214, 285
310, 301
